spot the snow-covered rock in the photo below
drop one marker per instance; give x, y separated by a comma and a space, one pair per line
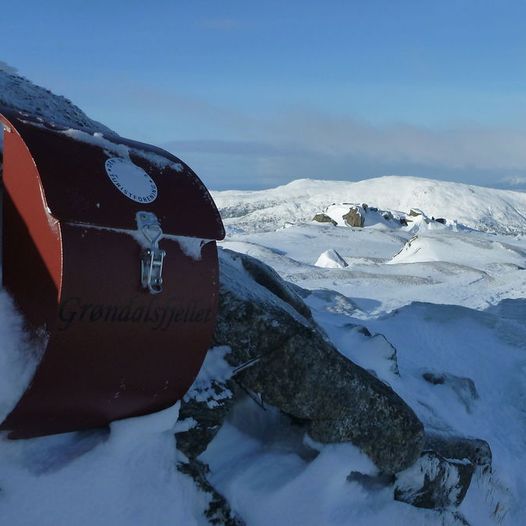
434, 482
18, 93
280, 355
355, 217
359, 216
330, 259
441, 477
324, 218
269, 346
471, 250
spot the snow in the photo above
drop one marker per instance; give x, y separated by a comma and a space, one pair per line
466, 250
126, 476
19, 356
438, 299
372, 216
191, 246
330, 259
271, 475
122, 150
481, 208
214, 369
20, 94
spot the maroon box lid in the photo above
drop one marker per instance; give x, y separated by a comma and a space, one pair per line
104, 181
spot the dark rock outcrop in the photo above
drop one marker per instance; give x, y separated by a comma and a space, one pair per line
284, 359
218, 510
269, 279
205, 414
475, 450
434, 482
355, 217
279, 356
324, 218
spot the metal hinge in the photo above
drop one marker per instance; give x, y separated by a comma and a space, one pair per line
152, 257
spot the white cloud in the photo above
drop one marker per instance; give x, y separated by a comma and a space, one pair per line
458, 148
514, 180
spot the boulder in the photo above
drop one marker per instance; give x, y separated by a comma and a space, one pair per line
442, 475
434, 482
324, 218
415, 212
279, 355
475, 450
355, 217
267, 345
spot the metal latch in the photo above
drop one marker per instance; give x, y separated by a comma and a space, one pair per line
152, 257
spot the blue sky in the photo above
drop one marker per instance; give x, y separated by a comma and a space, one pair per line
254, 94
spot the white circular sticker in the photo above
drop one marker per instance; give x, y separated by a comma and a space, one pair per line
131, 180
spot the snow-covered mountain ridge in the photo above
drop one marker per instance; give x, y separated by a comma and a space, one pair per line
481, 208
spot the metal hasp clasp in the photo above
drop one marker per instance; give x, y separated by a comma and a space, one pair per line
152, 257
